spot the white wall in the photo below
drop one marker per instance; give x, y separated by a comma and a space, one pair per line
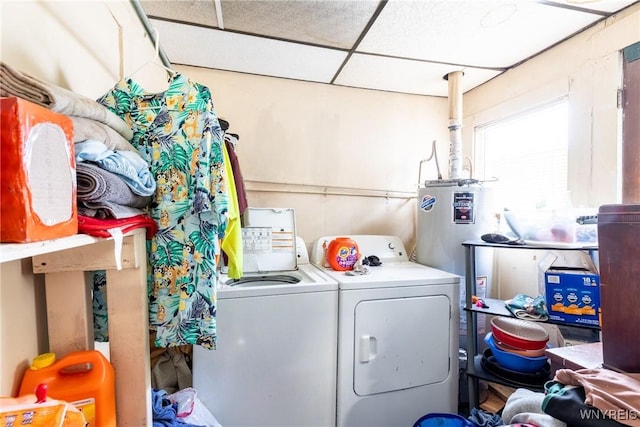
299, 139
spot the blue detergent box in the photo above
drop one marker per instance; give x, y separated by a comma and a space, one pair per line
572, 292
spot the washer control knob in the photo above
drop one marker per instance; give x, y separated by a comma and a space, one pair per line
391, 246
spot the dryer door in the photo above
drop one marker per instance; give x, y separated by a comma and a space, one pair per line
401, 343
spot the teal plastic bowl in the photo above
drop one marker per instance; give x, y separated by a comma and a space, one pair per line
512, 361
443, 420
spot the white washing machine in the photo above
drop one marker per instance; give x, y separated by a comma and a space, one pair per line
275, 362
397, 337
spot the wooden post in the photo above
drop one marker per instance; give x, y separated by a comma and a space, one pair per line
70, 321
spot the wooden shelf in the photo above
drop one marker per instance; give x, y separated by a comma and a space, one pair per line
557, 246
16, 251
497, 396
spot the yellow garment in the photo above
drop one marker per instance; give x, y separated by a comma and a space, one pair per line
232, 240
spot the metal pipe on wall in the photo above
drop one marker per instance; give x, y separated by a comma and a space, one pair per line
325, 190
455, 124
150, 31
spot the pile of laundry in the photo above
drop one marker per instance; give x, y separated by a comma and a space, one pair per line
165, 411
580, 398
180, 409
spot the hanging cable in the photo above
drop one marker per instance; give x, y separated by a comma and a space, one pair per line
434, 154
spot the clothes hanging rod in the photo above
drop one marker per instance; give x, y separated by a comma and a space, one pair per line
150, 31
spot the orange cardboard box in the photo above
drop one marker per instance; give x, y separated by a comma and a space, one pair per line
37, 173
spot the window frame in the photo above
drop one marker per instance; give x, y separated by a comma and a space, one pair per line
480, 141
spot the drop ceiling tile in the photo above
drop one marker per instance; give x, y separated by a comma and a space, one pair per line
335, 23
598, 5
201, 12
190, 45
483, 33
406, 76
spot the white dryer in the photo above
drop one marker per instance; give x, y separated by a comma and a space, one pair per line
275, 362
397, 337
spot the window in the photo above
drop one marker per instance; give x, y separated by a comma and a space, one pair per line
528, 156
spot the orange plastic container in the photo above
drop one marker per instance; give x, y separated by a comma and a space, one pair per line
37, 173
84, 378
342, 253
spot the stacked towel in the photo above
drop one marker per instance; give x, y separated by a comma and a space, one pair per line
17, 83
85, 129
103, 194
100, 227
128, 165
117, 183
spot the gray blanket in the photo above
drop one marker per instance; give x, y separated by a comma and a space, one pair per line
85, 129
103, 194
14, 82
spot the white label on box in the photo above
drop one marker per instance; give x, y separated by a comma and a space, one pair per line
553, 279
50, 178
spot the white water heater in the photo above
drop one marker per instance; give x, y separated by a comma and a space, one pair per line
450, 212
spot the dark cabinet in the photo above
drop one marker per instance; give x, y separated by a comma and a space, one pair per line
619, 256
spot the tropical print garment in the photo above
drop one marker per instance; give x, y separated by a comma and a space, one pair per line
178, 134
99, 296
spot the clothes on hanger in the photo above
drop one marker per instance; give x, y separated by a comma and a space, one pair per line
232, 138
232, 240
224, 125
178, 134
155, 60
230, 141
232, 243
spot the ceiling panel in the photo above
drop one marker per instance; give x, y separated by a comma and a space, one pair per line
329, 23
190, 45
402, 75
201, 12
608, 6
393, 45
482, 33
